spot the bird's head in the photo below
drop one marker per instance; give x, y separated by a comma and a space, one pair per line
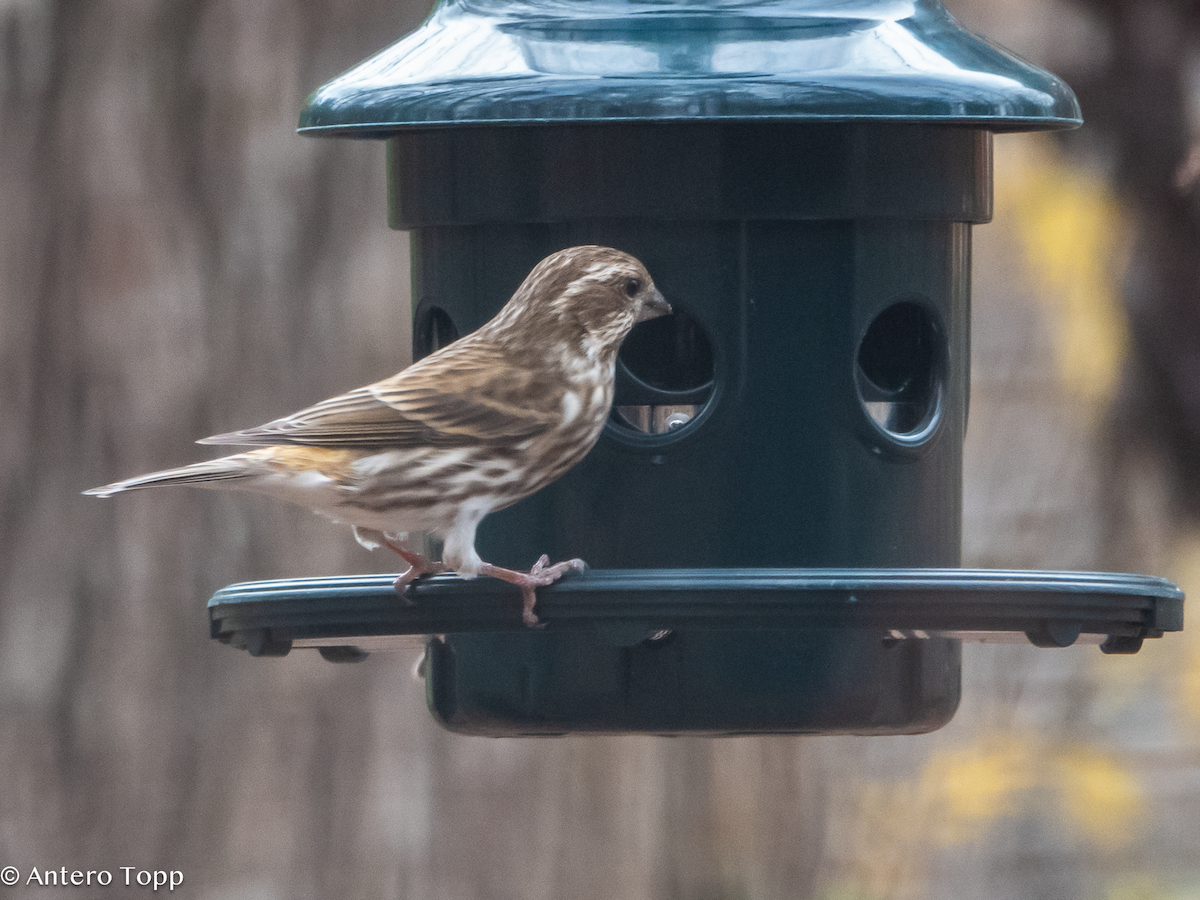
590, 294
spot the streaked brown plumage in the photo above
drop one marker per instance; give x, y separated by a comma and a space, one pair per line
472, 428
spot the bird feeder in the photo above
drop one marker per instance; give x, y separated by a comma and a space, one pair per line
773, 514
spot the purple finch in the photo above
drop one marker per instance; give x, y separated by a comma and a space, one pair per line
482, 423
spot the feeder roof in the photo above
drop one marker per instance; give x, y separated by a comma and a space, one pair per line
516, 62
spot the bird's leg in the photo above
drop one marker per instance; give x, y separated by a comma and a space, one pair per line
418, 565
540, 575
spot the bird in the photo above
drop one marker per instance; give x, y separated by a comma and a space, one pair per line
474, 427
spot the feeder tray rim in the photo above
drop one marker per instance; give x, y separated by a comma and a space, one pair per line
1051, 608
758, 579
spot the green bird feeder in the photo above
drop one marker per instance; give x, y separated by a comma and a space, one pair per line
773, 514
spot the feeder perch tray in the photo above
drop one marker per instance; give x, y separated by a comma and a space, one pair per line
346, 616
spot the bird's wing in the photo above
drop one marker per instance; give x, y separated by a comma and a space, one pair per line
472, 396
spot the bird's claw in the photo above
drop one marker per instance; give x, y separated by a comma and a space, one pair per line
540, 575
528, 602
543, 573
407, 580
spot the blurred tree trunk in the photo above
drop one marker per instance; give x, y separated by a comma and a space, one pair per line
175, 262
1138, 91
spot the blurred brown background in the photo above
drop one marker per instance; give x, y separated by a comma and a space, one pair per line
175, 262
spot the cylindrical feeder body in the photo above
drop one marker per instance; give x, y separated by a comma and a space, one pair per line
806, 405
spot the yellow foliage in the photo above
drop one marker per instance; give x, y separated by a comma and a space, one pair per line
1135, 887
847, 890
885, 861
963, 792
1186, 573
1189, 683
1101, 798
977, 784
1147, 886
1075, 239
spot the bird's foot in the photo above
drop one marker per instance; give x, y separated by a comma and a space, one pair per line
418, 566
404, 579
540, 575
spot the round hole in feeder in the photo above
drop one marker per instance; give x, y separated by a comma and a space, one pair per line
900, 372
664, 376
433, 329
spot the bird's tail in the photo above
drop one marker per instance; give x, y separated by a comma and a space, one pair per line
201, 474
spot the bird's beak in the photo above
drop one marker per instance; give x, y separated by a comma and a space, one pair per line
653, 307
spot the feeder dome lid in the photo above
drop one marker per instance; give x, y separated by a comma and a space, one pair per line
516, 62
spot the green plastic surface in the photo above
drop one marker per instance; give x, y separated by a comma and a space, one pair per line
712, 651
540, 61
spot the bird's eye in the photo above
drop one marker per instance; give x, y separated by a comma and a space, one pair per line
632, 286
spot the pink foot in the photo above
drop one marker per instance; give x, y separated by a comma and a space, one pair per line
540, 575
418, 565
